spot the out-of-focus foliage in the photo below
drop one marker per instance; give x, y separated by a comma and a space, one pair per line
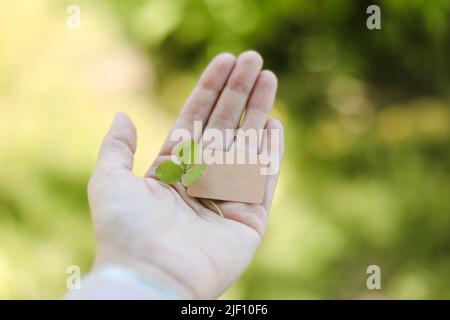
59, 90
366, 178
368, 133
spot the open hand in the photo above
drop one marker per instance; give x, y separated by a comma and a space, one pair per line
158, 230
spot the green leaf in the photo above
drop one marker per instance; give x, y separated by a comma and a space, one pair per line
187, 152
169, 172
193, 174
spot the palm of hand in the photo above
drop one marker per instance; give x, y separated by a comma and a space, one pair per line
159, 229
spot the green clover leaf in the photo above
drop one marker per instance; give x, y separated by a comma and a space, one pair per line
192, 174
169, 172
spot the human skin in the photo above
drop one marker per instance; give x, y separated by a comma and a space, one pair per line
158, 231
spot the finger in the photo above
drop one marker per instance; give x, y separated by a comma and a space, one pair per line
118, 147
273, 146
258, 108
261, 101
232, 101
203, 98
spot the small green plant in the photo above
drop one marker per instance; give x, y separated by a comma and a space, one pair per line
187, 170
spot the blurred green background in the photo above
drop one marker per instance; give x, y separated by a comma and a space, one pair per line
366, 178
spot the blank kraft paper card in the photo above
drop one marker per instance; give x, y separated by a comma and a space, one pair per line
230, 182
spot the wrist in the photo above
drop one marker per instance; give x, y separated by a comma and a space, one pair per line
115, 282
137, 272
118, 282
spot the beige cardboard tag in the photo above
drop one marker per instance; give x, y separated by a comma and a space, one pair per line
230, 182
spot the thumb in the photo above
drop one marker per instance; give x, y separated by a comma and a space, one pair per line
118, 147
